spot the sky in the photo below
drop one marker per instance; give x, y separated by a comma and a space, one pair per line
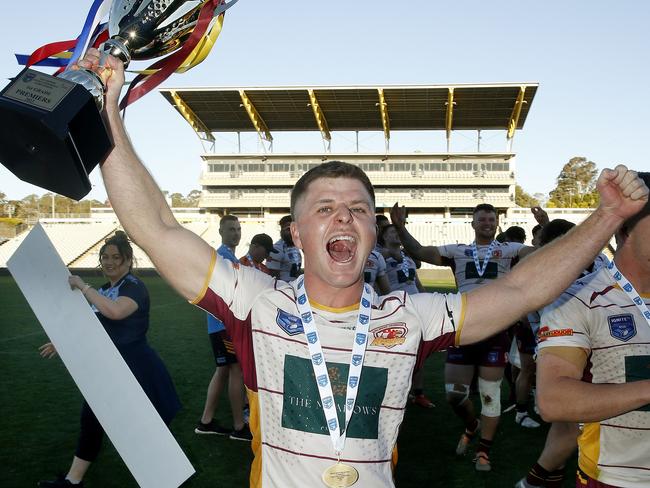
590, 58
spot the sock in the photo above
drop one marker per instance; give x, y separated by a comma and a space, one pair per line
484, 445
522, 407
72, 480
537, 475
471, 432
555, 479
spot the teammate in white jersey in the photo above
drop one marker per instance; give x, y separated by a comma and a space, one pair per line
474, 265
594, 362
285, 261
333, 206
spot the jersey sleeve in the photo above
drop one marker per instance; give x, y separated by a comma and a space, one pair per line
441, 315
135, 290
564, 323
447, 251
230, 289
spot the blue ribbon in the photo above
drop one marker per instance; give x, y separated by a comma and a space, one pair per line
85, 31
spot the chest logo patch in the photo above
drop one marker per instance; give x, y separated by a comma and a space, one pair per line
622, 327
291, 324
390, 335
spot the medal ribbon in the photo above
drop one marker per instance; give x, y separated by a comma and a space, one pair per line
404, 266
320, 367
628, 288
481, 269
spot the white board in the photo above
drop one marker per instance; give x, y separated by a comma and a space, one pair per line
131, 422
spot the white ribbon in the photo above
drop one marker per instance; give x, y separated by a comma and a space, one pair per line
629, 290
481, 269
319, 366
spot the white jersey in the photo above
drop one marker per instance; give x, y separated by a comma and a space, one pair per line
401, 275
596, 315
291, 442
375, 268
459, 258
286, 259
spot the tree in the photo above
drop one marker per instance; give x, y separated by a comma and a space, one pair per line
576, 185
523, 199
193, 197
177, 200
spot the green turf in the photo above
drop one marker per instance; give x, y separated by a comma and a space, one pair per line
40, 407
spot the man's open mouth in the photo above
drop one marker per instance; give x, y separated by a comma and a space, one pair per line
342, 248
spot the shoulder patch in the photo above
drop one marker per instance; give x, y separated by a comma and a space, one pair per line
390, 335
545, 333
290, 324
622, 327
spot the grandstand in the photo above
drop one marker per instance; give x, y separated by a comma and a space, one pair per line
442, 185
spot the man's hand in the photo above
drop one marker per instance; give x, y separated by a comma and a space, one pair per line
47, 350
622, 192
111, 74
398, 215
540, 215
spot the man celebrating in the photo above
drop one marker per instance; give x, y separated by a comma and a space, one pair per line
260, 248
594, 362
328, 363
474, 266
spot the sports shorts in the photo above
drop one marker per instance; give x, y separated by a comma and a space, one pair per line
492, 352
222, 348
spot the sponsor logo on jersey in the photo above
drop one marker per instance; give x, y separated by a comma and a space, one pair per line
468, 253
390, 335
497, 253
370, 264
493, 357
545, 333
622, 327
289, 323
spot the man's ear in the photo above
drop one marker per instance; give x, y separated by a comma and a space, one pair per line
295, 235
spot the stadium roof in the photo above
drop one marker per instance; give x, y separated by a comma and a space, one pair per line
500, 106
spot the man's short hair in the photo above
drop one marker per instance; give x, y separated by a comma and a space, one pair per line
501, 237
263, 240
382, 233
554, 229
629, 224
515, 234
380, 218
287, 219
228, 218
330, 169
486, 207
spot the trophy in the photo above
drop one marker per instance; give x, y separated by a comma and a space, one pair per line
54, 133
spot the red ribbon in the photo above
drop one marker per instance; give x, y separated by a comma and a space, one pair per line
48, 50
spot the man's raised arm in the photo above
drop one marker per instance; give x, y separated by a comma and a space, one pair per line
180, 256
428, 254
539, 279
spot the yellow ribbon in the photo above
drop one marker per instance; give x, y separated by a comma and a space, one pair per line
199, 53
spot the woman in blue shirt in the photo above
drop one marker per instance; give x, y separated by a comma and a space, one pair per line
122, 307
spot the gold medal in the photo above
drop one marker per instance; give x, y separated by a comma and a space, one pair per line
340, 476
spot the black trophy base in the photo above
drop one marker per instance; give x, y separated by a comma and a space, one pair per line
52, 133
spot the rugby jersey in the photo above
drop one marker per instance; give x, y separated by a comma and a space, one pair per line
401, 275
375, 268
291, 443
286, 259
596, 315
459, 258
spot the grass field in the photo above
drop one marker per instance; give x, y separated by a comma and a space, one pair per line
40, 407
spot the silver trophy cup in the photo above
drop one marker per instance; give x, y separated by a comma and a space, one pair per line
59, 132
